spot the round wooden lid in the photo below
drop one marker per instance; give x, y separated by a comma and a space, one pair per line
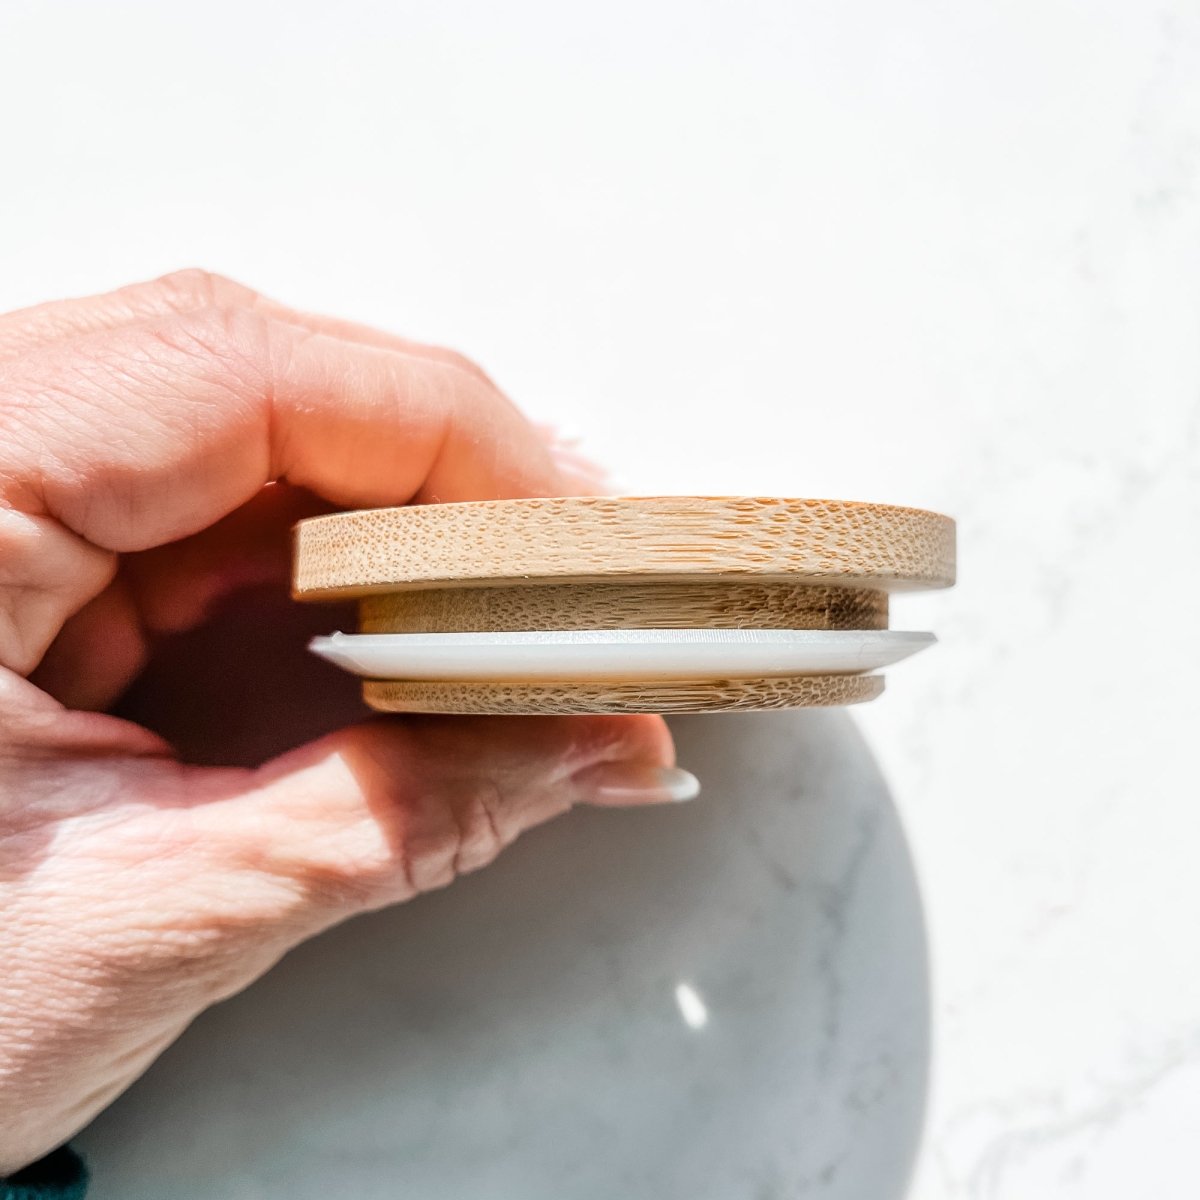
596, 539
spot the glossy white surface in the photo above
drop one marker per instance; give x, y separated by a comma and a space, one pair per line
935, 254
617, 653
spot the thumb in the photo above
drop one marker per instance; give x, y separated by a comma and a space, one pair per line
138, 891
379, 812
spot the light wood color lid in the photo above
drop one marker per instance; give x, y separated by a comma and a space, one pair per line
595, 539
632, 562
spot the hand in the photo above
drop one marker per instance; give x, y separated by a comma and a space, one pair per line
155, 446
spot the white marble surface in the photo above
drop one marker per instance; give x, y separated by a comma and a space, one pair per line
944, 254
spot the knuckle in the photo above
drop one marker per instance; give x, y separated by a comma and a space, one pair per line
464, 835
480, 838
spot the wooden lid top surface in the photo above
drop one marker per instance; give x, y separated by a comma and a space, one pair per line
589, 539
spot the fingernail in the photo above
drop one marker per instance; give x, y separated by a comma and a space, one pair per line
635, 783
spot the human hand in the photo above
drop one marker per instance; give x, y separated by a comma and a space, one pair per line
155, 446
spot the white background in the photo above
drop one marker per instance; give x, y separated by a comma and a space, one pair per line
937, 253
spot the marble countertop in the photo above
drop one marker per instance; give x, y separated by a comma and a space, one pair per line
944, 255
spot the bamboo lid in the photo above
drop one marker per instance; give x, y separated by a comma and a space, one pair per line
658, 562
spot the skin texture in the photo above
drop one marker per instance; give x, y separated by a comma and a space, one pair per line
156, 445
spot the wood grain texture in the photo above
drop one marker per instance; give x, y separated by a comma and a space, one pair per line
661, 696
586, 539
686, 605
636, 563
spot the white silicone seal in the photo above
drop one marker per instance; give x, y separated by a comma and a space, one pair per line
612, 654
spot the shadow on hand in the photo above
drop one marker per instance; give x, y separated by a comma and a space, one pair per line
241, 688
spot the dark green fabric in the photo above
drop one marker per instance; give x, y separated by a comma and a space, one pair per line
61, 1175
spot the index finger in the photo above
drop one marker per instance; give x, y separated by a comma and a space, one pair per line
131, 438
144, 434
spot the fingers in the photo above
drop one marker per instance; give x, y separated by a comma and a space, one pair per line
376, 813
46, 572
97, 653
153, 431
148, 433
170, 589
